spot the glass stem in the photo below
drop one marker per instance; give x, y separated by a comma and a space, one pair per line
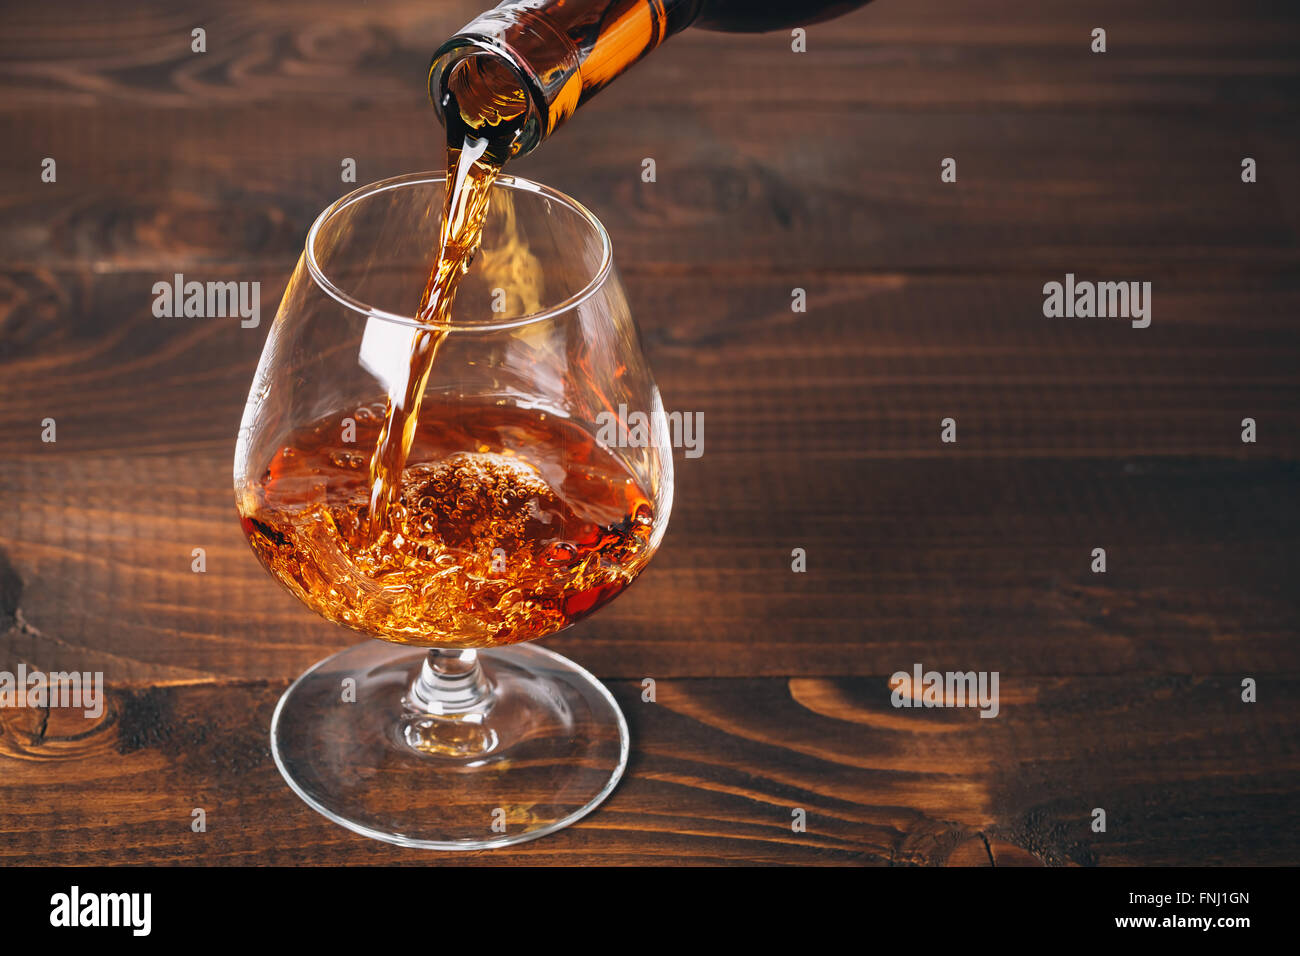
450, 683
447, 707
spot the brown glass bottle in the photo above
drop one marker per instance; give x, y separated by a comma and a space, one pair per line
517, 71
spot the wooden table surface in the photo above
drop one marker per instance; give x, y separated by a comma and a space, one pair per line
775, 170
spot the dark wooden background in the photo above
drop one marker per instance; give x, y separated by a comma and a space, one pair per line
775, 170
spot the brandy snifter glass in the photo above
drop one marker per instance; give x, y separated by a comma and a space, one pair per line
528, 499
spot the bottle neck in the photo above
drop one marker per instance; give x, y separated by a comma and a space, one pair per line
515, 73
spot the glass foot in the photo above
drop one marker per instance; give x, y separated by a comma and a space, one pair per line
454, 750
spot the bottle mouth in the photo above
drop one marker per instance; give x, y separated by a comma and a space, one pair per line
484, 95
327, 223
489, 98
507, 58
479, 91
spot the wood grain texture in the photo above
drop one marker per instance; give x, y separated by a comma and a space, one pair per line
718, 768
818, 171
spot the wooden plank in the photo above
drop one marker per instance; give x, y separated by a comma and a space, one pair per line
822, 431
795, 194
923, 54
867, 372
974, 561
1189, 775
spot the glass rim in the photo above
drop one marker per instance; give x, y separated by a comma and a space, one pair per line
346, 299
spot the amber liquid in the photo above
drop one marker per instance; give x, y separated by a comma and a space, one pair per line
472, 168
509, 524
469, 181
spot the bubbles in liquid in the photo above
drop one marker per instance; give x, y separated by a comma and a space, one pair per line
347, 459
